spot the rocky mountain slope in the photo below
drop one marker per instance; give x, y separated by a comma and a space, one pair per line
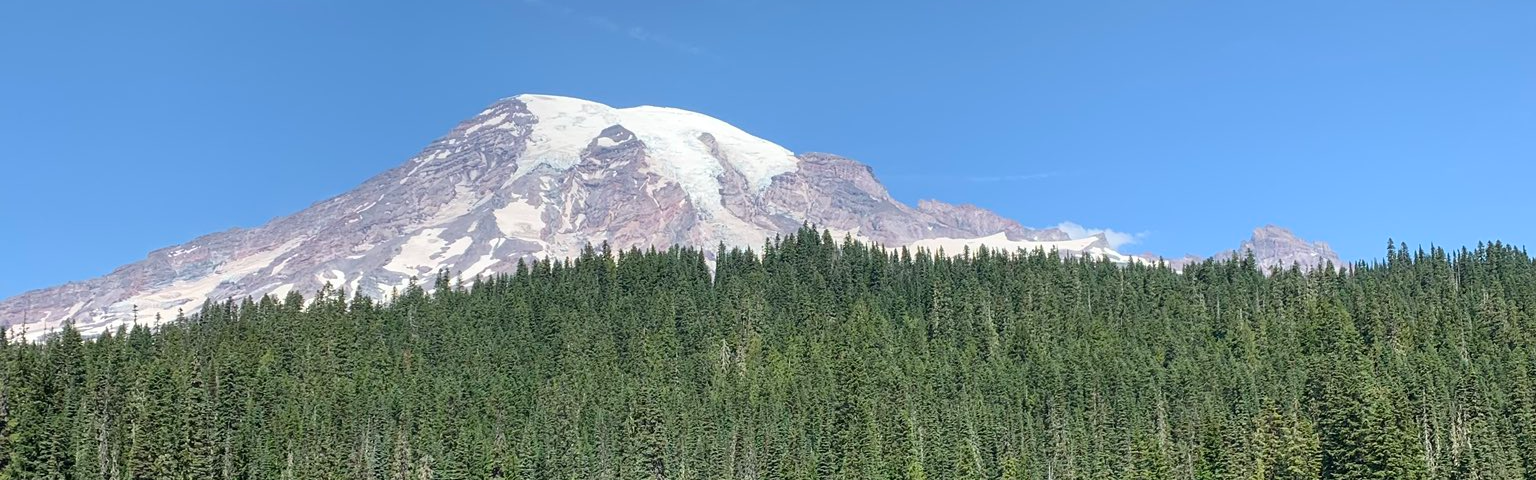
1276, 247
533, 176
1273, 248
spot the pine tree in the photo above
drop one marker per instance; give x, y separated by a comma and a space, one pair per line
1285, 447
812, 360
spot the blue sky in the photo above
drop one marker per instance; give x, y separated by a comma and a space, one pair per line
130, 126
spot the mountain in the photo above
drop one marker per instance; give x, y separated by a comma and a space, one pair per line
1273, 247
1276, 247
531, 177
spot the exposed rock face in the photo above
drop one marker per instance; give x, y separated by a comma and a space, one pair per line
1274, 248
530, 177
973, 218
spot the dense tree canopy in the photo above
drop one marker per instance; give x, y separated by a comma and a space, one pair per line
813, 359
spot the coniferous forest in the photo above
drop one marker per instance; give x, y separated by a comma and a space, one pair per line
814, 358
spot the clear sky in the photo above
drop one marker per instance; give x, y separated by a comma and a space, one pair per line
130, 126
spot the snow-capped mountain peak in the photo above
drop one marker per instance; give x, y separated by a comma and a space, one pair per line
532, 177
561, 128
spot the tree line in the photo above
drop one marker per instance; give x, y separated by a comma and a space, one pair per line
813, 358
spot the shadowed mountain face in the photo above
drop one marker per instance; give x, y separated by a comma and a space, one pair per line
530, 177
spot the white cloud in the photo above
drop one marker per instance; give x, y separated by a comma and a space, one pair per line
1115, 239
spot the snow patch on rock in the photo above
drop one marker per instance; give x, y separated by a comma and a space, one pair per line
425, 252
519, 219
186, 296
488, 122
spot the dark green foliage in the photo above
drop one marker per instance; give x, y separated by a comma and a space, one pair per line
813, 359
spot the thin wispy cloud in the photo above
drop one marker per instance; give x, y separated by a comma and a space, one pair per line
634, 32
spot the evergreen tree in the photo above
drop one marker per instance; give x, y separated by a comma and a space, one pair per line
812, 359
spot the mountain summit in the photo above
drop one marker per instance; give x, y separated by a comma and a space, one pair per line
532, 177
1276, 247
